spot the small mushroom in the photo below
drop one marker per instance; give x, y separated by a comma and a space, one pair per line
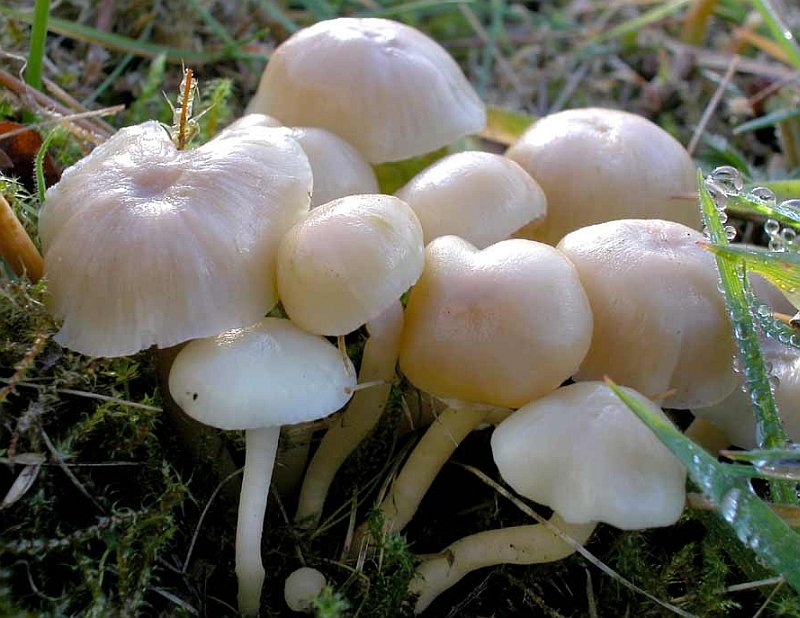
385, 87
257, 379
479, 196
659, 320
596, 165
148, 245
484, 329
301, 588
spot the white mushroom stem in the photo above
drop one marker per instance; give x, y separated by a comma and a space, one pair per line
377, 365
532, 544
426, 460
262, 446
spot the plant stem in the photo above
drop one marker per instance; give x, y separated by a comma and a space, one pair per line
33, 72
533, 544
360, 417
16, 246
262, 446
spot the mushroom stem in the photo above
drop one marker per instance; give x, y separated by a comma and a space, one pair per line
262, 446
533, 544
431, 453
16, 246
708, 435
377, 364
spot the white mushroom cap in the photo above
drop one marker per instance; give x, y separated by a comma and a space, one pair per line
385, 87
596, 164
735, 416
347, 261
269, 374
659, 320
479, 196
248, 121
148, 245
583, 453
500, 326
302, 587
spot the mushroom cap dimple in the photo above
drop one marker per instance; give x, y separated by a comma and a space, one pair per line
385, 87
597, 164
659, 320
479, 196
499, 326
148, 245
346, 262
583, 453
269, 374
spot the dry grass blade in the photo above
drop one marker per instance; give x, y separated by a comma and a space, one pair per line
713, 104
572, 543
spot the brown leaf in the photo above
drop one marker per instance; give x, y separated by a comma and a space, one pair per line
20, 152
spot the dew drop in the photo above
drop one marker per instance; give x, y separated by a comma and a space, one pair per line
772, 227
774, 382
728, 178
764, 194
730, 232
793, 204
788, 235
765, 311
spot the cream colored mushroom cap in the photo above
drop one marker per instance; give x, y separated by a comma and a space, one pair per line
385, 87
596, 165
301, 588
479, 196
269, 374
500, 326
148, 245
583, 453
347, 261
659, 320
735, 416
248, 121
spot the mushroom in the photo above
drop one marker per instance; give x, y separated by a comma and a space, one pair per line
359, 254
147, 245
479, 196
596, 165
484, 329
257, 379
385, 87
301, 588
583, 453
659, 320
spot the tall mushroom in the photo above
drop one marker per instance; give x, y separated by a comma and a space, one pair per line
147, 245
583, 453
257, 379
345, 265
385, 87
596, 165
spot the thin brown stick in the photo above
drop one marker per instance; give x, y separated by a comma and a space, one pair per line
16, 246
187, 92
81, 110
712, 105
94, 113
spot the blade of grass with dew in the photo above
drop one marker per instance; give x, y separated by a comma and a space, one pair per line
779, 31
745, 204
125, 44
769, 429
784, 188
770, 325
33, 72
781, 268
505, 126
766, 121
753, 521
636, 24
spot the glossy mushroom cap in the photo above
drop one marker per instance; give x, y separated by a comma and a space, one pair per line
302, 587
266, 375
584, 454
659, 320
148, 245
735, 416
348, 261
385, 87
596, 165
248, 121
479, 196
500, 326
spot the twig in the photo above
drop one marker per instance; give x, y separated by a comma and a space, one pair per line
23, 366
95, 113
65, 98
572, 543
60, 461
88, 395
712, 105
768, 600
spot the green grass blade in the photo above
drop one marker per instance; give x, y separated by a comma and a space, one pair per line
768, 120
33, 72
634, 25
319, 9
747, 203
781, 268
418, 7
38, 165
213, 24
779, 31
505, 126
769, 429
784, 188
754, 523
275, 13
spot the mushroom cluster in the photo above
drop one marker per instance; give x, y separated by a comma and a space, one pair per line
525, 271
